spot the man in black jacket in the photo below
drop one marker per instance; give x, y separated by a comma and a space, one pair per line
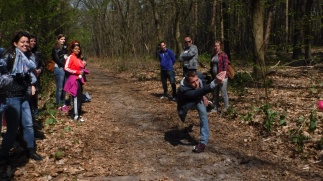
191, 95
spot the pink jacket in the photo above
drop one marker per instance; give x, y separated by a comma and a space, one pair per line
71, 85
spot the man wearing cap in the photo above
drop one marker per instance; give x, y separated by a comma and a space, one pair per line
191, 95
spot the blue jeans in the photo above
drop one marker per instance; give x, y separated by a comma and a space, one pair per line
19, 110
224, 92
10, 135
204, 123
168, 74
12, 115
59, 74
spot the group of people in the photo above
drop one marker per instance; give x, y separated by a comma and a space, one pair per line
192, 90
20, 68
69, 75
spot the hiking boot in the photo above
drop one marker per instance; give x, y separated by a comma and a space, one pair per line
199, 148
33, 155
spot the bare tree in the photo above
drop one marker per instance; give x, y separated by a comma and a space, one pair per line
258, 36
271, 14
298, 29
157, 22
213, 20
286, 25
308, 28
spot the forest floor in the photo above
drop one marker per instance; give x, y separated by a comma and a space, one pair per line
129, 133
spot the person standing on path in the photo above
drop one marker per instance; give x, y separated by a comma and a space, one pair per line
20, 67
219, 63
38, 60
191, 95
189, 57
59, 55
167, 59
75, 67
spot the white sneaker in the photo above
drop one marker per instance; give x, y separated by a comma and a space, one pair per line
75, 118
81, 119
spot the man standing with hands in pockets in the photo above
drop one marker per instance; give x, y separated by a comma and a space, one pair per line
167, 59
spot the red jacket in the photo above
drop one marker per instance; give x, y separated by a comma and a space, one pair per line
74, 65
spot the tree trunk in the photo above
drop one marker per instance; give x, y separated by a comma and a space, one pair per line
213, 21
298, 23
195, 34
308, 29
258, 36
226, 28
178, 41
157, 22
269, 22
286, 26
222, 28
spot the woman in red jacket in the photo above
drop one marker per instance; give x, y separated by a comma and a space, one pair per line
75, 68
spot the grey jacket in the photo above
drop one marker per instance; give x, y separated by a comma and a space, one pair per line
189, 57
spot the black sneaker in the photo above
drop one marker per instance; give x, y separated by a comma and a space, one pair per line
199, 148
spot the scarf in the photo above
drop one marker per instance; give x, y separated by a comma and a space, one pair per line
22, 63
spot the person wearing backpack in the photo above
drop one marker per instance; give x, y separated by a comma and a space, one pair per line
219, 62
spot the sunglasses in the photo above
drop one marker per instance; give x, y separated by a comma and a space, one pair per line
188, 41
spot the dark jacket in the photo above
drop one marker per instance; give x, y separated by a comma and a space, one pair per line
20, 82
188, 97
5, 80
59, 56
38, 59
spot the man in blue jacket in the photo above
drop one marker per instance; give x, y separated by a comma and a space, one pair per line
191, 95
167, 59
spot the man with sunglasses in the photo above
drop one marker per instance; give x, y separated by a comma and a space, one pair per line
189, 56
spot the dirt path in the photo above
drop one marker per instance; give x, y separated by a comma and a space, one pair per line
131, 134
136, 136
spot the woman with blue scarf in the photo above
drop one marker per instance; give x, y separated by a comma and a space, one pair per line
20, 67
